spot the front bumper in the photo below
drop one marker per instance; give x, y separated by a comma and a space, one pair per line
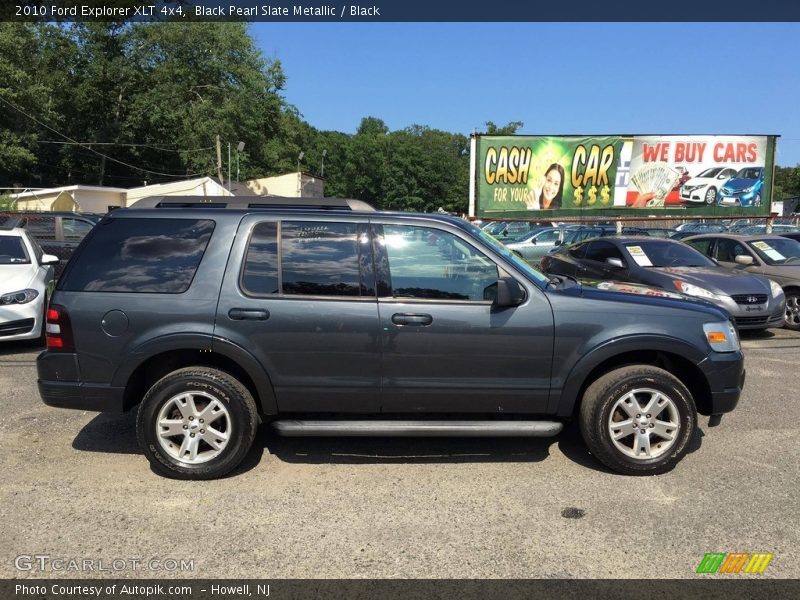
22, 321
60, 386
725, 375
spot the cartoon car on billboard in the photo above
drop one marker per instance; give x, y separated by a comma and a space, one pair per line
744, 189
704, 187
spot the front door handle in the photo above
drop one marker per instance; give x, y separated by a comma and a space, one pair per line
250, 314
411, 319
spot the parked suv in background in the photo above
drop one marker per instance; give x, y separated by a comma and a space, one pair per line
59, 233
331, 319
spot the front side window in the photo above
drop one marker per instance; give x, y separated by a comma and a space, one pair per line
728, 250
139, 255
434, 264
600, 251
12, 251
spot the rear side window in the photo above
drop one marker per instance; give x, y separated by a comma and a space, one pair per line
139, 255
308, 258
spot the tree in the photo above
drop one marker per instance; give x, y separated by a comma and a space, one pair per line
508, 129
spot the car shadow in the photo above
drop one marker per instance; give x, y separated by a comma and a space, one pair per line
571, 445
756, 334
20, 347
116, 433
404, 450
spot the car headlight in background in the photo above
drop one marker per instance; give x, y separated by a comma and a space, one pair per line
775, 288
722, 337
695, 290
20, 297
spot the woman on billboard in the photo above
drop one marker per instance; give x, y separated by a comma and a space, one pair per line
549, 196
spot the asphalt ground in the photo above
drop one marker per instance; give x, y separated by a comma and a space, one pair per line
75, 487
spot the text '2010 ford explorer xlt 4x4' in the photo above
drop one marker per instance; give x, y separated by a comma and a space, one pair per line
329, 318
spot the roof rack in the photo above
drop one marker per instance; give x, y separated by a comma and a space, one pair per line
254, 203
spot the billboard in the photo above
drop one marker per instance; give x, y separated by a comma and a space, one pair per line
530, 176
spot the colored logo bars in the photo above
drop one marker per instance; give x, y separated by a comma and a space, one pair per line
734, 562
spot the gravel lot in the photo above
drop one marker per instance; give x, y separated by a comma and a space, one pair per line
75, 486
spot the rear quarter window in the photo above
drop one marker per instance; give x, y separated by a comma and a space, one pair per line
139, 256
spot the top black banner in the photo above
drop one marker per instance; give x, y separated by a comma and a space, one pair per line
377, 11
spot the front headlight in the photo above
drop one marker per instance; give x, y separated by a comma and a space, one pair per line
722, 337
20, 297
775, 288
695, 290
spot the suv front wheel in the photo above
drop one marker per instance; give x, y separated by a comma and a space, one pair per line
196, 423
638, 420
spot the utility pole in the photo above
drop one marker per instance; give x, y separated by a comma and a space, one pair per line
219, 163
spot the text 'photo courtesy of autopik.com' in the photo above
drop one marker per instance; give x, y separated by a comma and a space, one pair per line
407, 300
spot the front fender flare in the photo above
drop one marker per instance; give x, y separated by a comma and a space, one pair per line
563, 403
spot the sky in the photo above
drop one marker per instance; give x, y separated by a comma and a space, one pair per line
557, 78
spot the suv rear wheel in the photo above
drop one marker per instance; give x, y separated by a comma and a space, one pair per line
638, 420
196, 423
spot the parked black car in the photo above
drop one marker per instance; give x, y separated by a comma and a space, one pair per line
58, 233
330, 319
754, 301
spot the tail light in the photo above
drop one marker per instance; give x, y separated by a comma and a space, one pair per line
59, 330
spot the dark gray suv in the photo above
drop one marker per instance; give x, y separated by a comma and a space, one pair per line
329, 318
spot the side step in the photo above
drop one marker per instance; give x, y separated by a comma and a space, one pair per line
298, 428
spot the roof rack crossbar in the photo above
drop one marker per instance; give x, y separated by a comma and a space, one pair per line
254, 203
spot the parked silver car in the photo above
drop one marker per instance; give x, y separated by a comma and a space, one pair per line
774, 256
533, 246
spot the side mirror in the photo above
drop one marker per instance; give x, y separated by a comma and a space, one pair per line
615, 262
744, 260
49, 259
509, 293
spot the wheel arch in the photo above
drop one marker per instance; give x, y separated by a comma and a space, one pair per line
674, 356
154, 360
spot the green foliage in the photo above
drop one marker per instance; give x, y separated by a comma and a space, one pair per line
787, 182
154, 96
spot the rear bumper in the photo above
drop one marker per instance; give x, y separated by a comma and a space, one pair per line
60, 385
725, 374
82, 396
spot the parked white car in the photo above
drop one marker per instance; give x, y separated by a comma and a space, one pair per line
26, 282
705, 186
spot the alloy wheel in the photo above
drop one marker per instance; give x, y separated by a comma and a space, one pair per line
193, 427
644, 424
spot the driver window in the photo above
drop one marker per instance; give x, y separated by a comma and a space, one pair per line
434, 264
728, 250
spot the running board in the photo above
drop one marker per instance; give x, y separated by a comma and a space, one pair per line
298, 428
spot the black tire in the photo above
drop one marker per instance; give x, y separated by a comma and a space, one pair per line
792, 317
595, 416
242, 417
42, 339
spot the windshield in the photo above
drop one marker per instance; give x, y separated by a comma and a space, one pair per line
666, 254
710, 172
12, 251
781, 251
515, 260
749, 173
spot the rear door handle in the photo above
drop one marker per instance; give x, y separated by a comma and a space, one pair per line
250, 314
411, 319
